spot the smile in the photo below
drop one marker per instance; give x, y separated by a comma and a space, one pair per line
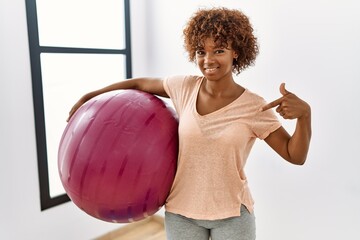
210, 70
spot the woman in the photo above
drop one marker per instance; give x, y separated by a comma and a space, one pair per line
219, 121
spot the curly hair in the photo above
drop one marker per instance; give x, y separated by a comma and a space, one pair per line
226, 27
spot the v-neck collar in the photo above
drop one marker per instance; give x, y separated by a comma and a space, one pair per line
216, 111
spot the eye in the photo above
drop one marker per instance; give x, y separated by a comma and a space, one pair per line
219, 51
200, 52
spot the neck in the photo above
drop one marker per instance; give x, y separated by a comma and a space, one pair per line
220, 88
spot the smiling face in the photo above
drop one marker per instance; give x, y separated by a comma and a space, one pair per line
215, 62
225, 26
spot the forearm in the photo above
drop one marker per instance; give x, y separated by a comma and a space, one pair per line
299, 143
127, 84
151, 85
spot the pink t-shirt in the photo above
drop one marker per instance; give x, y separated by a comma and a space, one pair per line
210, 181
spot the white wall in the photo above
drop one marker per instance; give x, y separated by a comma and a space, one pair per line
312, 45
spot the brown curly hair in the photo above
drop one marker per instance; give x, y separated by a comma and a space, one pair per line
224, 26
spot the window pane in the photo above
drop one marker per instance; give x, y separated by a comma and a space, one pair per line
65, 78
81, 23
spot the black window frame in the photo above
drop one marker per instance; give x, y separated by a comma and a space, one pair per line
46, 200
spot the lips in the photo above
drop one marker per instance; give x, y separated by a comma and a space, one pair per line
211, 69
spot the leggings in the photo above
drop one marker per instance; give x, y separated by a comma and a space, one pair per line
179, 227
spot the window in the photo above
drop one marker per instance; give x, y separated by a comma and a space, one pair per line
75, 46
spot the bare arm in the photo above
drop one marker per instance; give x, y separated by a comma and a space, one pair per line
150, 85
292, 148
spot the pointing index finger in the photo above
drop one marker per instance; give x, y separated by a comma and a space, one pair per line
272, 104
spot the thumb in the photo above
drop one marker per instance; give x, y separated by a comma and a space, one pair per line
283, 91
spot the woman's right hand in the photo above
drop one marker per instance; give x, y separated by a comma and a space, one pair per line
77, 105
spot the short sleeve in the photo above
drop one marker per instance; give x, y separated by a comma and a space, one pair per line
265, 122
174, 87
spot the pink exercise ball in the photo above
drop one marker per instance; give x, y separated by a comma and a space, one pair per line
118, 154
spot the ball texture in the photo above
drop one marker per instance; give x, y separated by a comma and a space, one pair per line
117, 156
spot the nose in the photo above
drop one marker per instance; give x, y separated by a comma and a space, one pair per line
209, 58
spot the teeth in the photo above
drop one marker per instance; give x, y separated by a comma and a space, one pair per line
211, 69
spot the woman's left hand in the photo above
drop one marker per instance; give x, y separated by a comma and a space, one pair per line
289, 106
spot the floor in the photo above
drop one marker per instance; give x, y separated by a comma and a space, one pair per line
151, 228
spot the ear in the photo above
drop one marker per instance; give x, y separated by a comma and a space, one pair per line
235, 55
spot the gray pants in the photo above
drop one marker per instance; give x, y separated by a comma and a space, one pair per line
179, 227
